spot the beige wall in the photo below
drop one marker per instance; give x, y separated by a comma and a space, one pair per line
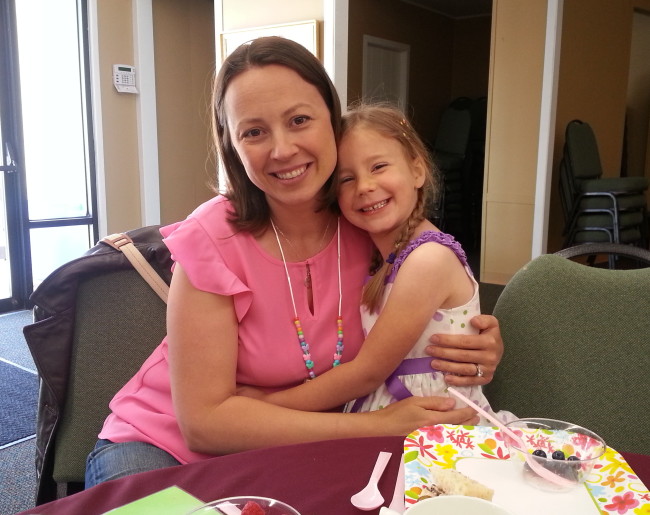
185, 62
258, 13
184, 59
518, 37
119, 122
471, 57
638, 97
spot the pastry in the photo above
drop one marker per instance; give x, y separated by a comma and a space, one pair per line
452, 482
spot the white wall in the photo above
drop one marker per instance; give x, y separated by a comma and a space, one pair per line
263, 12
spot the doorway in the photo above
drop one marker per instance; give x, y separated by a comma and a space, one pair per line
385, 71
47, 187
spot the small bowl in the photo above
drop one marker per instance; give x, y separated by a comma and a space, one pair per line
234, 505
580, 447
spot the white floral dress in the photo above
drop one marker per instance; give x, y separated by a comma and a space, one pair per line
415, 376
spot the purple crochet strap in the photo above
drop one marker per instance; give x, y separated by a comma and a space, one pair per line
395, 385
428, 236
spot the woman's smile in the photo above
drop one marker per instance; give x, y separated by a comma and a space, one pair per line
291, 174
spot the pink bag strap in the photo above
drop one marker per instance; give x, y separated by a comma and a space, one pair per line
124, 244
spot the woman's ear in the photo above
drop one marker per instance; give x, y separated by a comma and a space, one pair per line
419, 170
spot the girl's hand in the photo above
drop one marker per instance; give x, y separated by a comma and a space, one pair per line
402, 417
458, 355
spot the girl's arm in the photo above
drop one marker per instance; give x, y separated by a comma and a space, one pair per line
202, 339
430, 278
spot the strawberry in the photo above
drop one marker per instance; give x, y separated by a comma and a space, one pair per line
252, 508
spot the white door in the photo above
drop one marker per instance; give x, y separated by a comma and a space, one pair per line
385, 71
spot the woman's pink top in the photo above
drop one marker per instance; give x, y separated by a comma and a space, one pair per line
218, 260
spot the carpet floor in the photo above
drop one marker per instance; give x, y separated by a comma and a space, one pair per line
17, 477
12, 342
18, 399
17, 465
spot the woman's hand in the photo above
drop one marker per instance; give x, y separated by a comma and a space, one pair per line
460, 356
402, 417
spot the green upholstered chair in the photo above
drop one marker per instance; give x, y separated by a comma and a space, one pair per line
97, 320
629, 255
577, 348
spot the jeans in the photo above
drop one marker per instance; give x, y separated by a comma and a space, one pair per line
110, 460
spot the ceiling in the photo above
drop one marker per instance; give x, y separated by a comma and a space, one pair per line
455, 8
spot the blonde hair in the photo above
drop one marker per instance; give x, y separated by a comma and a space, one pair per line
390, 121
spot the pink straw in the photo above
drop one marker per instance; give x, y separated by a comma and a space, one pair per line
539, 469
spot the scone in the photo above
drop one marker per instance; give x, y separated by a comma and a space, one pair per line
452, 482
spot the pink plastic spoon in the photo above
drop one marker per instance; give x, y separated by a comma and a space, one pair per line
537, 468
370, 497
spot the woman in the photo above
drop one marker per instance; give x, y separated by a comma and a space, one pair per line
241, 311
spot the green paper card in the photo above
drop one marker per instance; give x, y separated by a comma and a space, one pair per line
170, 501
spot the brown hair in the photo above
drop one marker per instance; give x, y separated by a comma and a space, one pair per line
251, 210
391, 122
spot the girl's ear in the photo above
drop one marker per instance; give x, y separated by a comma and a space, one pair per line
419, 170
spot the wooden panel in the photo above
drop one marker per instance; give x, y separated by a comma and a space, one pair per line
518, 38
507, 242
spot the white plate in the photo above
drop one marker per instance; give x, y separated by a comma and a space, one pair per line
520, 498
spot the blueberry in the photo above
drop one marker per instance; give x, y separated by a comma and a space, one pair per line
573, 458
557, 455
540, 453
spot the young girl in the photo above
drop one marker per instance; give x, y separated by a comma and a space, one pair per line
420, 281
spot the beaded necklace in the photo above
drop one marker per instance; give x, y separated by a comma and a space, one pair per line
304, 346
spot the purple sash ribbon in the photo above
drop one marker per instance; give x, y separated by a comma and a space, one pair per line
395, 385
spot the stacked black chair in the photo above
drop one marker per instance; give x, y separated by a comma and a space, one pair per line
474, 171
450, 154
597, 209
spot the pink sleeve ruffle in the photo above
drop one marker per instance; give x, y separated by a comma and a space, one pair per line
194, 249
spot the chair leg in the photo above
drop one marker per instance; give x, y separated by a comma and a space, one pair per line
65, 489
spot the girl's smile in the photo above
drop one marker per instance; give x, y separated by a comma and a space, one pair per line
375, 207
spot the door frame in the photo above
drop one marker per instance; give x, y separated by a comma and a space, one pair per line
19, 224
13, 170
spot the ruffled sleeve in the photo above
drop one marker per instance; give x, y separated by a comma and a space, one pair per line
200, 254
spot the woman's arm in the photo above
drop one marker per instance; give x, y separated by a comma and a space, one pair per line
458, 354
202, 339
431, 277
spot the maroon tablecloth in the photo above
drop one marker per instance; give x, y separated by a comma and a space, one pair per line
317, 478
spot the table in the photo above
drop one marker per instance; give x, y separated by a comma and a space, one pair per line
316, 478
